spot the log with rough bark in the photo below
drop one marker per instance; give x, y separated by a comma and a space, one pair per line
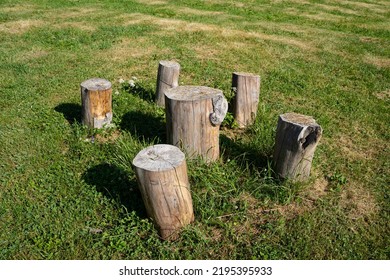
297, 137
167, 77
161, 172
96, 99
246, 87
194, 115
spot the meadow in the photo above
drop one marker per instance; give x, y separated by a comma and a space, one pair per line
69, 192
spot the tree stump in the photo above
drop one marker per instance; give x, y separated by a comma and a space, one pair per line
194, 115
297, 137
161, 171
246, 87
167, 77
96, 99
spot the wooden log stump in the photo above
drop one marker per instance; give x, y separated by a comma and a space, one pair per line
194, 115
167, 77
297, 137
246, 87
96, 99
161, 171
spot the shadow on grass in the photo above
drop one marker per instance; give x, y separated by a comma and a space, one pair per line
269, 185
141, 92
245, 153
144, 126
71, 112
113, 183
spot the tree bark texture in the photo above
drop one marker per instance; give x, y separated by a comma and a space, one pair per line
246, 87
96, 99
161, 172
194, 115
167, 77
297, 137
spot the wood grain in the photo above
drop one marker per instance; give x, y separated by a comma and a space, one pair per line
194, 115
161, 172
297, 137
246, 87
96, 99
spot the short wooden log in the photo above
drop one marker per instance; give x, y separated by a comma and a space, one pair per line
167, 77
297, 137
246, 87
161, 172
194, 115
96, 99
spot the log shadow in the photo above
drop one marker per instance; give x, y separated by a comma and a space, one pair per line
270, 185
144, 126
71, 112
245, 153
114, 183
141, 92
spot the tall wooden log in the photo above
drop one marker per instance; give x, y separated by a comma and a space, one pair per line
194, 115
297, 137
246, 87
167, 77
96, 99
161, 171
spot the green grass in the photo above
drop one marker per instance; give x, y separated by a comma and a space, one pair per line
67, 192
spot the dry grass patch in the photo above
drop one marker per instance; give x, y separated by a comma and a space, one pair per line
76, 13
190, 11
377, 61
130, 49
76, 25
357, 201
379, 7
322, 16
20, 8
175, 26
302, 2
108, 137
353, 151
336, 9
206, 52
237, 4
383, 95
20, 26
33, 54
151, 2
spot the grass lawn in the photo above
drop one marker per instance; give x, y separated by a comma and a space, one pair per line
67, 192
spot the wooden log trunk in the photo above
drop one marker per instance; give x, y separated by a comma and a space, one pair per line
246, 87
297, 137
161, 171
194, 115
96, 99
167, 77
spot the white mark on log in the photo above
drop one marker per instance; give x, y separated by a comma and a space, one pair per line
220, 107
100, 123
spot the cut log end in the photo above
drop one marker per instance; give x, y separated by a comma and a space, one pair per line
298, 119
170, 64
246, 74
96, 84
192, 93
159, 158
